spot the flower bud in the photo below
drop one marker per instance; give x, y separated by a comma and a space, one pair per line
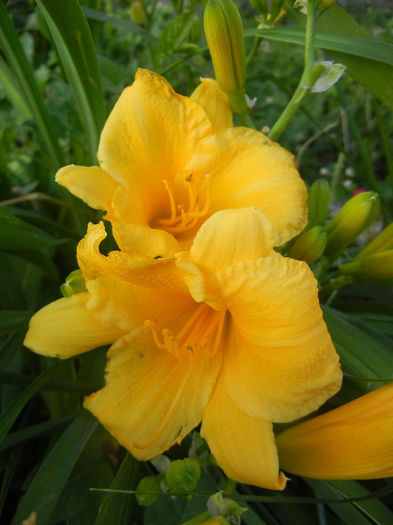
224, 35
74, 283
309, 246
376, 267
318, 201
216, 520
146, 488
381, 243
327, 3
218, 505
354, 217
183, 475
138, 14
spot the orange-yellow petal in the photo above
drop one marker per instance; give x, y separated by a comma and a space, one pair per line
66, 328
243, 446
247, 169
126, 290
215, 103
280, 362
231, 236
353, 441
93, 185
149, 136
152, 400
137, 238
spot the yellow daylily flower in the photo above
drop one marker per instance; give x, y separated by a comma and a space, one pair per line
230, 333
353, 441
168, 162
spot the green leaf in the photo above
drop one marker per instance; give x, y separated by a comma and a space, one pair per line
347, 512
12, 411
10, 86
117, 508
76, 50
21, 69
363, 355
50, 479
13, 321
16, 234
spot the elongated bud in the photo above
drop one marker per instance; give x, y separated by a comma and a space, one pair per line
224, 35
74, 283
138, 14
381, 243
354, 217
318, 201
309, 246
377, 267
183, 475
327, 3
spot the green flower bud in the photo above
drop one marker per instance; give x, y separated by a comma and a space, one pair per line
138, 14
218, 505
327, 3
145, 488
224, 35
354, 217
381, 243
74, 283
183, 475
376, 267
318, 201
309, 246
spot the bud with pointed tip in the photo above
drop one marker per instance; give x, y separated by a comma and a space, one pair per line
376, 267
74, 283
354, 217
381, 243
309, 246
224, 35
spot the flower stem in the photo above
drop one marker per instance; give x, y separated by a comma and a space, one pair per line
246, 120
307, 79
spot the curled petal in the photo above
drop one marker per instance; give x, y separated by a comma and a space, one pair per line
353, 441
152, 400
243, 446
215, 103
66, 328
280, 362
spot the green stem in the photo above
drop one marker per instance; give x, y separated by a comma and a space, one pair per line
246, 120
307, 79
254, 49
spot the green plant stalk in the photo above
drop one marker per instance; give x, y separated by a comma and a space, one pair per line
385, 144
254, 50
307, 79
246, 120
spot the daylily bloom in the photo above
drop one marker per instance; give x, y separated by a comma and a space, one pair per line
353, 441
230, 333
168, 162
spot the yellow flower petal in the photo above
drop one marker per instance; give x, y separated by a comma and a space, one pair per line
247, 169
230, 236
127, 290
150, 134
215, 103
243, 446
353, 441
66, 327
152, 400
280, 362
92, 185
135, 238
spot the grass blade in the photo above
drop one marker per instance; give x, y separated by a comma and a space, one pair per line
76, 50
50, 479
20, 67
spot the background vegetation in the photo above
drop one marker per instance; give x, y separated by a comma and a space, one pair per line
62, 67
